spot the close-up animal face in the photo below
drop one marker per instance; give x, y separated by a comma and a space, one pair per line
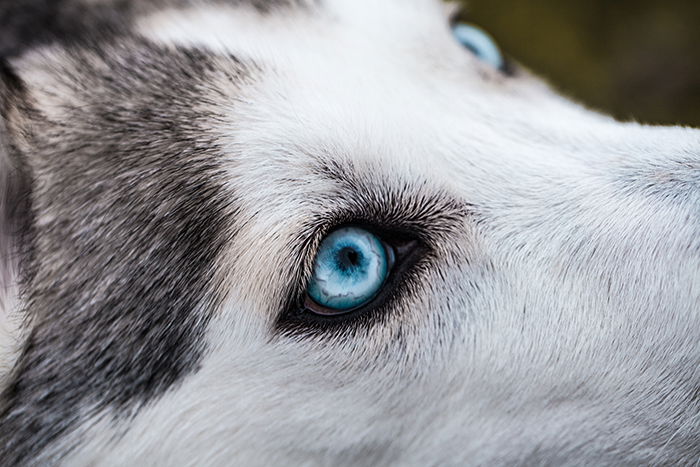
334, 232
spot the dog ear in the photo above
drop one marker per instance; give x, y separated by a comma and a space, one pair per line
14, 197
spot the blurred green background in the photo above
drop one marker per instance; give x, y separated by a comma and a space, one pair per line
635, 59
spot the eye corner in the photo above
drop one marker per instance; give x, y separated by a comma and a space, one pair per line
510, 67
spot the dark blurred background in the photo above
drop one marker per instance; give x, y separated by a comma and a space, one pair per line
635, 59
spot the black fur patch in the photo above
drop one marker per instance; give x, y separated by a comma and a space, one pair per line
30, 23
131, 218
27, 24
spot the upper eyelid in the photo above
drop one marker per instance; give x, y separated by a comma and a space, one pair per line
412, 211
418, 225
364, 196
372, 199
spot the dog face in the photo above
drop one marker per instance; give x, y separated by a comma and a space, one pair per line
174, 172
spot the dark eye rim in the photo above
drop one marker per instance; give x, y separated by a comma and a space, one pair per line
408, 250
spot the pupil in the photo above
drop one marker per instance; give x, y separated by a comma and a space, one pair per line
349, 258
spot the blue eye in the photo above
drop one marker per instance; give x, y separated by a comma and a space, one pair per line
480, 43
351, 268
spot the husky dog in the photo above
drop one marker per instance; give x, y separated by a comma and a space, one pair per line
333, 232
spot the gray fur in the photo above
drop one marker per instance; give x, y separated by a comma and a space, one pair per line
14, 186
133, 192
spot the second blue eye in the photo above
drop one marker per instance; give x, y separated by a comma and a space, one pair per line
351, 268
480, 43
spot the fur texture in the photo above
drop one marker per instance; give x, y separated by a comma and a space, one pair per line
169, 169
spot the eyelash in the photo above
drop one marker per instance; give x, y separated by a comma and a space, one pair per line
410, 251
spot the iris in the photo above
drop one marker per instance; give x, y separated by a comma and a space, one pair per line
351, 268
480, 43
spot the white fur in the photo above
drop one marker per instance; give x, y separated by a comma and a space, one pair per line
592, 295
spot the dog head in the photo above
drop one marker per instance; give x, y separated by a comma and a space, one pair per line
178, 174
